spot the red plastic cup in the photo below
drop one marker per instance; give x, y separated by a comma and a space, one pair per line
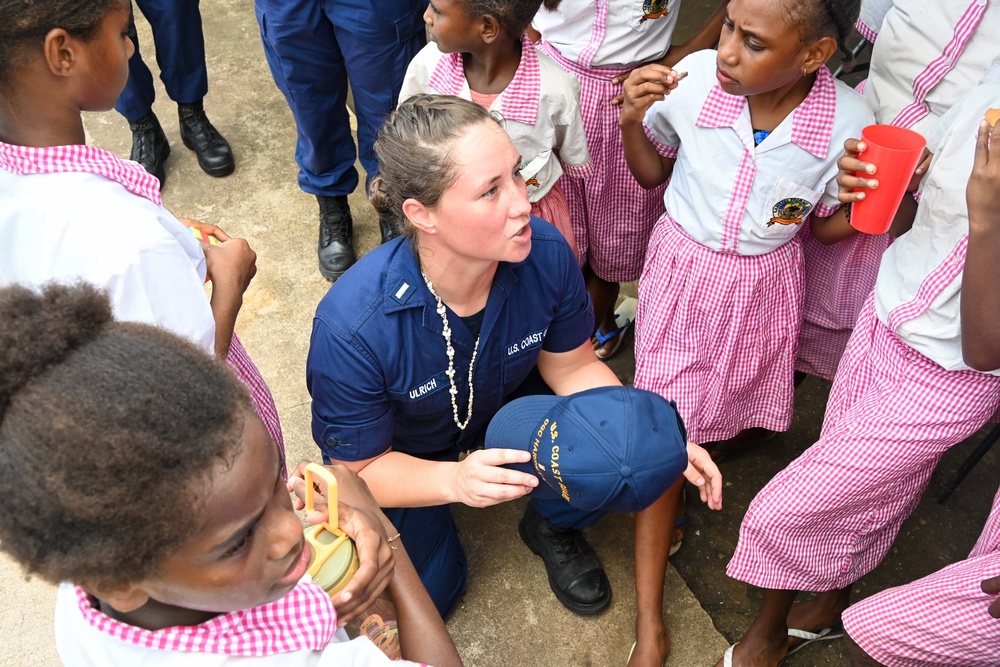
895, 152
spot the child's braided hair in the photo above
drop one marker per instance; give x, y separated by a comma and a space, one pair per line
825, 18
514, 16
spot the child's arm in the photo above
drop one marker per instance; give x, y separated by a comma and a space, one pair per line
643, 87
231, 265
837, 227
981, 279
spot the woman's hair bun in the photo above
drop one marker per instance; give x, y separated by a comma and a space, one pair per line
39, 328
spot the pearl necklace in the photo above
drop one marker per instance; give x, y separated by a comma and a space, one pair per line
450, 351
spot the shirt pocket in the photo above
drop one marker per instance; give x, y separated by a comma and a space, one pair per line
646, 12
520, 356
786, 209
425, 399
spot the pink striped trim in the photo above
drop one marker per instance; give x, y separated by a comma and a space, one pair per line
738, 203
597, 33
941, 65
865, 31
578, 170
822, 210
661, 148
599, 73
931, 287
518, 101
79, 158
302, 620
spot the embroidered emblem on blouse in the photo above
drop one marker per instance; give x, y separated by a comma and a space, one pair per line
653, 9
791, 211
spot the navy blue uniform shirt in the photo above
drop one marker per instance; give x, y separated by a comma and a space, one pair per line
377, 362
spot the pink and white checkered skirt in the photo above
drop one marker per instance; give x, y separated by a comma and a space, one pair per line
263, 403
716, 333
612, 214
839, 278
830, 517
554, 208
941, 619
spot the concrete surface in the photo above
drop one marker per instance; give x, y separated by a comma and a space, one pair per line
508, 616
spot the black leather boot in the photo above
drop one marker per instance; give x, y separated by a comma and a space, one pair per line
336, 229
215, 157
388, 229
149, 145
575, 573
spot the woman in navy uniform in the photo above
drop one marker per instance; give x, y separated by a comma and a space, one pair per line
418, 346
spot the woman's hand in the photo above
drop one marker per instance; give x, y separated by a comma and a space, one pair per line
360, 517
703, 473
480, 481
643, 87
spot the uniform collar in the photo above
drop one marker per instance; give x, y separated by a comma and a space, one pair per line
405, 287
518, 101
27, 160
812, 119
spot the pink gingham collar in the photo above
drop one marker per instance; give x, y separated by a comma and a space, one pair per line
302, 620
518, 101
812, 120
26, 160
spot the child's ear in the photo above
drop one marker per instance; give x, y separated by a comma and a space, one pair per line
124, 598
817, 53
60, 51
491, 28
419, 215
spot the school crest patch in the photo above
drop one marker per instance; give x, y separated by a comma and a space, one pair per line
653, 9
791, 211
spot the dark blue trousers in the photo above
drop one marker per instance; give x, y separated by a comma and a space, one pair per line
314, 48
180, 53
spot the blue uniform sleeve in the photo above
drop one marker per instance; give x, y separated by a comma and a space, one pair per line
351, 410
573, 322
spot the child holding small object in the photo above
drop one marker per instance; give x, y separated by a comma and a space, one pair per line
745, 142
599, 42
920, 374
164, 509
75, 212
479, 52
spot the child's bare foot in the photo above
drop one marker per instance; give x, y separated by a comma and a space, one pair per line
651, 652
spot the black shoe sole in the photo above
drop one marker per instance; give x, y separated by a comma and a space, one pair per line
572, 605
218, 172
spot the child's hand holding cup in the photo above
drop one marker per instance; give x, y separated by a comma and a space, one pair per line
893, 154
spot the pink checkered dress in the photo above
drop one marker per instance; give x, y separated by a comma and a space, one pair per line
135, 179
830, 517
716, 332
612, 214
840, 277
941, 619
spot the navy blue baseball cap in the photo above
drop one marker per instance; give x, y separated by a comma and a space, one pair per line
610, 448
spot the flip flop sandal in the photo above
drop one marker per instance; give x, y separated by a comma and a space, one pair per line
624, 317
834, 632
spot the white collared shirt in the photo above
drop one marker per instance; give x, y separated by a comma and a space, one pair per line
732, 196
918, 291
927, 55
609, 33
540, 109
80, 213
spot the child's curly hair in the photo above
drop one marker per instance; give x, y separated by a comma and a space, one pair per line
824, 18
514, 16
25, 23
108, 433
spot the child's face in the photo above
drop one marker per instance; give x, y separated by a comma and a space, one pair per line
106, 61
759, 51
250, 548
450, 27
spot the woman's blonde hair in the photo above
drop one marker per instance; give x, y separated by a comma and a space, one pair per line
414, 153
